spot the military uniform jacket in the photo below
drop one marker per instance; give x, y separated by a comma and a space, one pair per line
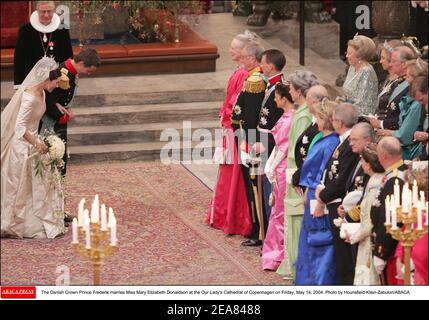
30, 48
301, 150
63, 97
383, 244
245, 113
269, 114
338, 169
390, 115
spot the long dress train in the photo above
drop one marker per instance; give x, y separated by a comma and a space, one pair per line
31, 205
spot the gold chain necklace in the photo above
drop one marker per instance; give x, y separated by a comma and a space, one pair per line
45, 40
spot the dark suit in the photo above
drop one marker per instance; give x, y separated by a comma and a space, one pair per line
30, 48
245, 118
390, 115
301, 150
338, 170
63, 97
384, 245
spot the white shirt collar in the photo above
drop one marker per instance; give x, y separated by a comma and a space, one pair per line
345, 135
55, 23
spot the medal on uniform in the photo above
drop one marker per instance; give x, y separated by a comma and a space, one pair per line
45, 38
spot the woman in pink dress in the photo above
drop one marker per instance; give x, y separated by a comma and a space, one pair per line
228, 208
275, 169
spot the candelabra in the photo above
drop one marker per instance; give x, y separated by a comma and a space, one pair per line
96, 248
409, 215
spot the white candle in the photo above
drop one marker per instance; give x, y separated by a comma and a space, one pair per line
85, 218
422, 197
396, 191
415, 193
388, 207
111, 216
95, 212
74, 231
426, 209
113, 239
405, 198
394, 217
88, 234
80, 212
103, 218
419, 216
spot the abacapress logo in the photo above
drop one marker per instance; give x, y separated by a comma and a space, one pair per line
18, 292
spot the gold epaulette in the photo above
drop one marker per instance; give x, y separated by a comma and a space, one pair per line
64, 79
254, 84
354, 213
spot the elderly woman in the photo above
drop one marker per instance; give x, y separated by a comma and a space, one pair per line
416, 68
392, 79
315, 263
299, 82
228, 209
361, 84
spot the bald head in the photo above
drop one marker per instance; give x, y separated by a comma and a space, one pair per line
391, 146
314, 95
389, 151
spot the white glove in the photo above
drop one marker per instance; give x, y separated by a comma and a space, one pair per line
245, 158
276, 157
379, 264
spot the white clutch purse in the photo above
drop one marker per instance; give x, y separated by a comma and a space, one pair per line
351, 228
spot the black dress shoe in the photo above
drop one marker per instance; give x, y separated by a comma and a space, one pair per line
251, 243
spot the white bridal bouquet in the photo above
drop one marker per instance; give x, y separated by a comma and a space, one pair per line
54, 160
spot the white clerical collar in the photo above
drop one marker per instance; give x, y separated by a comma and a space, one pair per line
345, 135
55, 23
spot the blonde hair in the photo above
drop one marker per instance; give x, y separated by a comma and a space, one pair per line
417, 67
325, 110
364, 46
388, 47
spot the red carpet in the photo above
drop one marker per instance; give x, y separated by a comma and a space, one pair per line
163, 239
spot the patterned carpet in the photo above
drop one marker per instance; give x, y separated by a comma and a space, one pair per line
163, 239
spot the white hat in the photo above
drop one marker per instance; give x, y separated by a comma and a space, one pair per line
55, 23
351, 199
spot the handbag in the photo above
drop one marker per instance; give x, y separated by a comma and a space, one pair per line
319, 238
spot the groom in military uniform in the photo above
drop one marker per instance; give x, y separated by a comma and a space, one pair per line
272, 64
244, 118
58, 102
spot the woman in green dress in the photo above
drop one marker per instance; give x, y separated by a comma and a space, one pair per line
300, 82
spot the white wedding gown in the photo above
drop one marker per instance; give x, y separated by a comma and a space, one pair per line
30, 205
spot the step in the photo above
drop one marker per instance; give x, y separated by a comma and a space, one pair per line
132, 133
138, 98
146, 151
153, 113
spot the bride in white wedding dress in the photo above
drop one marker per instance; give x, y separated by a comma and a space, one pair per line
30, 203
